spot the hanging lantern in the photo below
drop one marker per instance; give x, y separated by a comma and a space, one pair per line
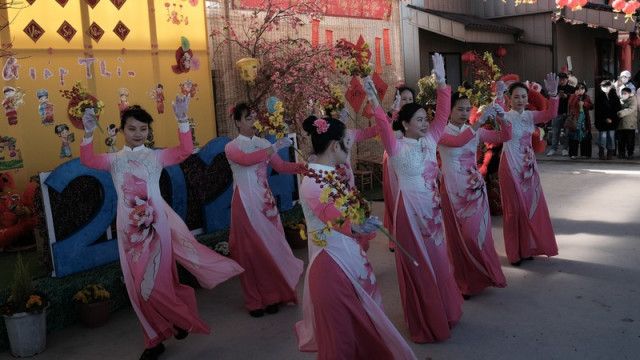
561, 3
618, 5
248, 68
630, 9
501, 52
468, 57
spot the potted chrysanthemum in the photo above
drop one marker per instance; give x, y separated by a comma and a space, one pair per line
93, 304
25, 314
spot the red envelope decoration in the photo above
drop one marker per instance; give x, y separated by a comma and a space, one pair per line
355, 94
381, 86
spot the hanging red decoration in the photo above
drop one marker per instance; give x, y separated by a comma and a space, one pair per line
630, 8
618, 5
501, 52
468, 57
67, 31
561, 3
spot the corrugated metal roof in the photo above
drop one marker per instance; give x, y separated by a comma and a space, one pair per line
472, 22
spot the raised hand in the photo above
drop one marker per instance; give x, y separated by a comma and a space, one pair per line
551, 84
396, 101
488, 113
282, 143
501, 88
89, 120
499, 110
370, 90
438, 68
181, 107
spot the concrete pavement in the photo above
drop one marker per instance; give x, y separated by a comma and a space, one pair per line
582, 304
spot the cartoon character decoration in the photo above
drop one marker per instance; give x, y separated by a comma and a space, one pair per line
45, 107
157, 95
10, 69
10, 155
185, 60
123, 93
150, 142
189, 88
12, 99
66, 137
17, 219
110, 141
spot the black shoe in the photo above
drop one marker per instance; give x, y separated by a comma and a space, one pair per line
529, 258
257, 313
392, 250
517, 263
272, 309
152, 353
466, 297
180, 333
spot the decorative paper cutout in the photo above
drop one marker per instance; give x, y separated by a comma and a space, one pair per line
386, 40
188, 87
92, 3
174, 14
66, 138
62, 2
184, 55
315, 32
381, 85
118, 3
110, 141
45, 107
79, 101
13, 98
123, 94
378, 56
31, 2
67, 31
95, 31
121, 30
10, 155
33, 30
157, 94
355, 94
10, 69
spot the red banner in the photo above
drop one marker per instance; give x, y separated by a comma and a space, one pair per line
386, 39
328, 34
315, 32
372, 9
378, 56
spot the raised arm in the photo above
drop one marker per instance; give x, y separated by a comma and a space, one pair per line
92, 160
382, 120
87, 157
177, 154
443, 109
496, 137
540, 117
236, 155
457, 140
365, 134
286, 167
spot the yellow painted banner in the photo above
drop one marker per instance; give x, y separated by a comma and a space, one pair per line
123, 52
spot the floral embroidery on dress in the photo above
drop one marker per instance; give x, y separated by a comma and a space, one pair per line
140, 222
269, 207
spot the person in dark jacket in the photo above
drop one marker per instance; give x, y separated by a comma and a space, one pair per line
607, 106
578, 123
564, 92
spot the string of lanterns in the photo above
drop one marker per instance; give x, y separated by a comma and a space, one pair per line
628, 7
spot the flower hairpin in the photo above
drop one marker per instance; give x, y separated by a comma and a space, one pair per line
232, 110
321, 126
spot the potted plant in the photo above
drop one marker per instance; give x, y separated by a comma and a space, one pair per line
296, 234
93, 304
25, 314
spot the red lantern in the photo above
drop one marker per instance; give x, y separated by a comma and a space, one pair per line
618, 5
561, 3
468, 57
573, 4
501, 52
630, 8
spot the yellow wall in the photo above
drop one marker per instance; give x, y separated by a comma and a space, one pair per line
39, 145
